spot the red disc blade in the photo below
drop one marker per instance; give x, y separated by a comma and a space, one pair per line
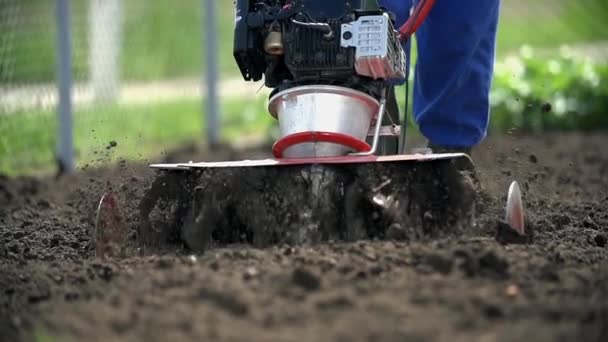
110, 228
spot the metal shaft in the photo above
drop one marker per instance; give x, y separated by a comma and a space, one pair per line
379, 119
210, 31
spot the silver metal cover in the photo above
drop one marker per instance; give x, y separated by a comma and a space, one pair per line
322, 108
378, 52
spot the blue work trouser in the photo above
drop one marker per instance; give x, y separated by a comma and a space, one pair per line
453, 74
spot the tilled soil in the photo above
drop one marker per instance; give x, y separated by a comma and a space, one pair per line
461, 287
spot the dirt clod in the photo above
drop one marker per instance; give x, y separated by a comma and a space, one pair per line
493, 265
440, 263
306, 279
250, 272
601, 240
507, 235
512, 291
225, 301
533, 159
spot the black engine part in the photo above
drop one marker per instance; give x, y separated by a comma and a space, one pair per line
309, 34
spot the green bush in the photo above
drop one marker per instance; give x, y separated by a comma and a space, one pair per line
560, 91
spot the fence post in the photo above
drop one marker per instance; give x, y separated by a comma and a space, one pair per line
210, 34
65, 145
105, 36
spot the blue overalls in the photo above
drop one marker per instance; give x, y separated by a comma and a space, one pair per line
453, 74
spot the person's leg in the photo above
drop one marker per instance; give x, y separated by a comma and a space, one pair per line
454, 71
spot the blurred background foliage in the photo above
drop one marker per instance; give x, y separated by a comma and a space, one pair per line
562, 90
170, 34
551, 71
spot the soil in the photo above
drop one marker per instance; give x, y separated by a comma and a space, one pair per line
478, 283
308, 204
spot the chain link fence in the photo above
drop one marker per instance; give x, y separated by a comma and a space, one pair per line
138, 71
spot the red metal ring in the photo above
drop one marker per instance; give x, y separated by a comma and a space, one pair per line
305, 137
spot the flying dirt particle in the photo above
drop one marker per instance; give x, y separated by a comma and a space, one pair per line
546, 107
111, 145
601, 240
533, 159
306, 279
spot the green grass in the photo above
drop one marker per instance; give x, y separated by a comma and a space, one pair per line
163, 38
544, 26
141, 131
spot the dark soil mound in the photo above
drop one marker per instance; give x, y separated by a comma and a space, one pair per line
458, 287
